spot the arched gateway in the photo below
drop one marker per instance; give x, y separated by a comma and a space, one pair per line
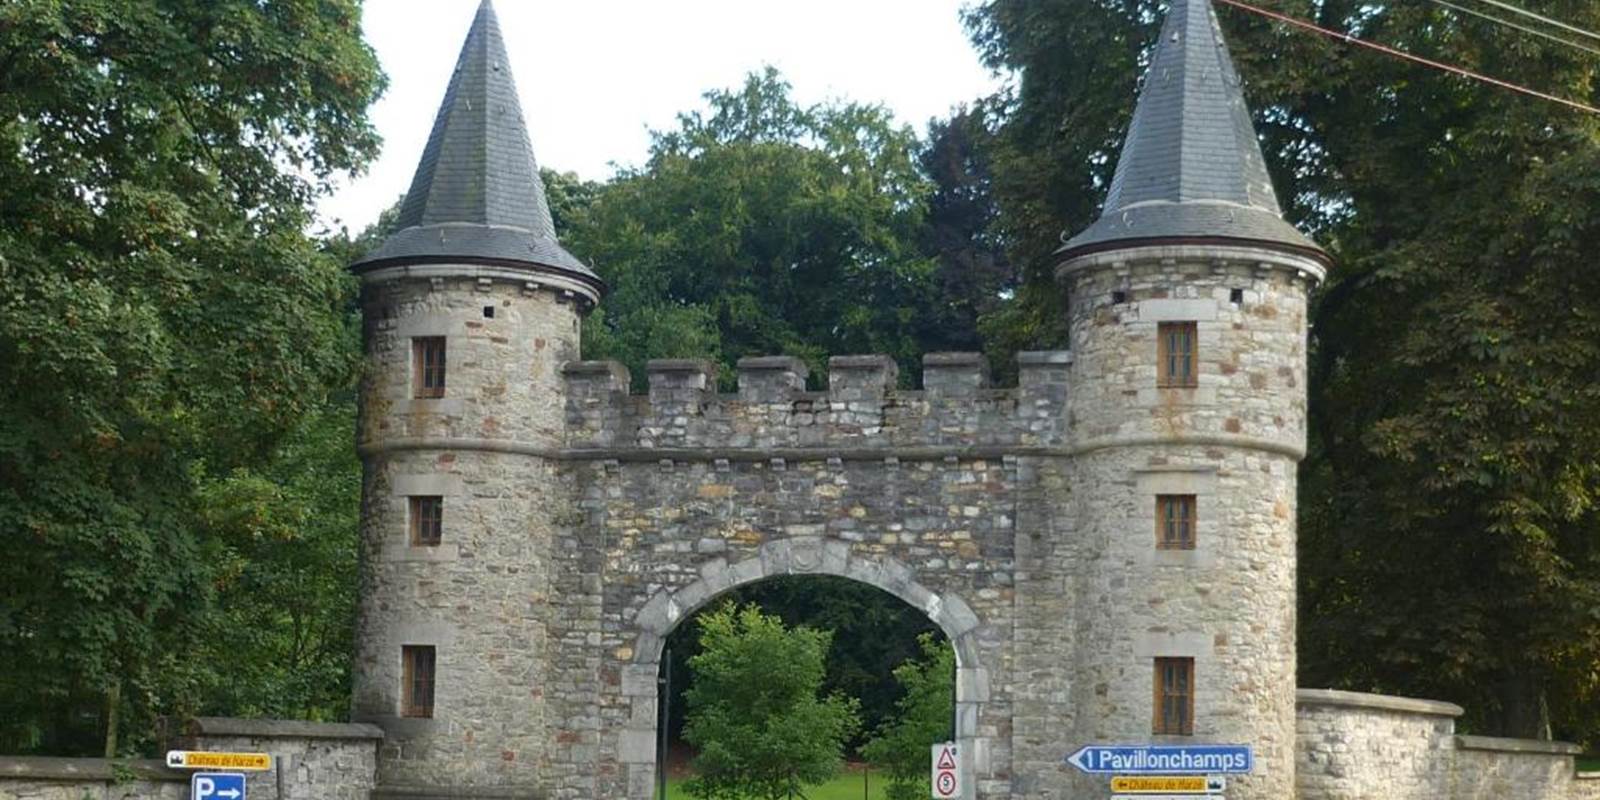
1109, 544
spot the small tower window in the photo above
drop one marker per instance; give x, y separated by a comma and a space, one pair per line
1175, 520
427, 521
1174, 700
427, 366
1177, 355
417, 680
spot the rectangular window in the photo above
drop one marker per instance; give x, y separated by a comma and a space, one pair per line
1177, 354
1175, 519
1174, 702
427, 366
427, 521
417, 680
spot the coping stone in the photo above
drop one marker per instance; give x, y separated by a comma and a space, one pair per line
1376, 702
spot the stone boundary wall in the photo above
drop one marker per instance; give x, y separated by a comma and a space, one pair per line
48, 778
310, 761
1355, 746
956, 412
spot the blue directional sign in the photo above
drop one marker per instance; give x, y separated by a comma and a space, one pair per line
216, 786
1152, 759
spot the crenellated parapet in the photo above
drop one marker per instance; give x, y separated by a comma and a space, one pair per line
772, 412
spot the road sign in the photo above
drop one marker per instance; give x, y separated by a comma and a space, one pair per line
216, 786
1154, 759
201, 759
1168, 784
946, 771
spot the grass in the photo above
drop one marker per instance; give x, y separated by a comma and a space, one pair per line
1589, 763
845, 787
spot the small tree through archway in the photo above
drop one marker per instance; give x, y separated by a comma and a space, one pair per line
769, 671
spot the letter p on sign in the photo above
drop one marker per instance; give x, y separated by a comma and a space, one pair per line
217, 786
946, 771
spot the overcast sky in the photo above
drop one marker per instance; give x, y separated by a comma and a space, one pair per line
594, 75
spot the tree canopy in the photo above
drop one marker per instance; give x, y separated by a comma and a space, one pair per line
164, 321
763, 227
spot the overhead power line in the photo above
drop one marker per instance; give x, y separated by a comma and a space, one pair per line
1385, 49
1525, 29
1542, 18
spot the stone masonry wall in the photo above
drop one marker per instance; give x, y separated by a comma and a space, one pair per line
684, 494
310, 761
43, 778
1354, 746
1231, 441
481, 597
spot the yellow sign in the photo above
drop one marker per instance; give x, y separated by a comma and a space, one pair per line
199, 759
1164, 784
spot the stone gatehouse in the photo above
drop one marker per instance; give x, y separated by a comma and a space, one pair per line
1109, 544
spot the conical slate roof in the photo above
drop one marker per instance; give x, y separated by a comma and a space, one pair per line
1191, 168
477, 196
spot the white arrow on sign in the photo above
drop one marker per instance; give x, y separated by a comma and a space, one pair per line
231, 794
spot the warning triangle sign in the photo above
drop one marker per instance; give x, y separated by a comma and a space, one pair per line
947, 758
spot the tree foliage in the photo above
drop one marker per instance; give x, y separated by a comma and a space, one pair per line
164, 322
924, 716
763, 227
756, 717
873, 632
1449, 539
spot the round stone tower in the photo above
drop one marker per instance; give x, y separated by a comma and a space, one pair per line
471, 306
1187, 411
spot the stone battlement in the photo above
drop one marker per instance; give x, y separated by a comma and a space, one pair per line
861, 408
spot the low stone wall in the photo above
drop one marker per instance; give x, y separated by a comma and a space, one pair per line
1354, 746
310, 761
45, 778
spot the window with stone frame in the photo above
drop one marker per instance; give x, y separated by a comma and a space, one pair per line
1174, 696
427, 520
427, 366
417, 679
1177, 354
1175, 521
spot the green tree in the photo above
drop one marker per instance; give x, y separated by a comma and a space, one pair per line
975, 277
164, 321
763, 227
755, 717
286, 582
1449, 541
924, 717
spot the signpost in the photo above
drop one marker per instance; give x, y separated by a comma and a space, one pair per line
946, 771
1152, 759
200, 759
1168, 784
216, 786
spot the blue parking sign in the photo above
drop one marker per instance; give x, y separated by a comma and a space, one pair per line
216, 786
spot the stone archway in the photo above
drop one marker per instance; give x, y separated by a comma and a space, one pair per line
662, 612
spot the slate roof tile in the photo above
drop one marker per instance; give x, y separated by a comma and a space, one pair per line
1191, 167
477, 195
